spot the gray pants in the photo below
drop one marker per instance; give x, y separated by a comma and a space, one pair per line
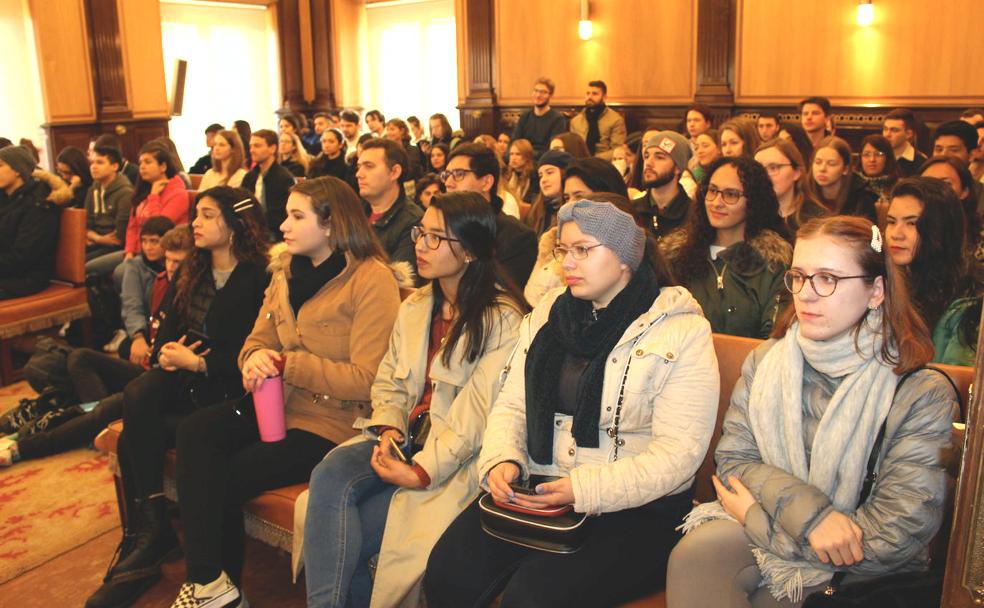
713, 567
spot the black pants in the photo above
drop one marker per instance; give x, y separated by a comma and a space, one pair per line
624, 558
221, 464
96, 375
73, 433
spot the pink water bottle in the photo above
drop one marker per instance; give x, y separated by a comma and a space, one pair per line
268, 401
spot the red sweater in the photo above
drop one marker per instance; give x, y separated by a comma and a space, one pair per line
171, 202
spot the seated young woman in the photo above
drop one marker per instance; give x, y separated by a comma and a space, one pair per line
323, 328
613, 388
451, 340
789, 174
802, 423
731, 255
208, 312
924, 235
228, 161
834, 183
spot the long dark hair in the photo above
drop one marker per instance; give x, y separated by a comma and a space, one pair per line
938, 272
249, 242
761, 213
878, 142
77, 163
468, 216
142, 188
969, 203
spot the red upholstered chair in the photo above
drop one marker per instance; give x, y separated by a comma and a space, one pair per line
196, 179
63, 301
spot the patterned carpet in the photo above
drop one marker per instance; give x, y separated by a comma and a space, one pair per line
51, 505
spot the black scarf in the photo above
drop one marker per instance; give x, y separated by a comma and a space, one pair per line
572, 328
593, 114
156, 266
306, 279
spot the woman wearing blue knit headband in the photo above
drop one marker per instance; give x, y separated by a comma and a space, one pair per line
613, 390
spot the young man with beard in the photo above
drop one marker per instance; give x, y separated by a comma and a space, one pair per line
899, 128
348, 124
814, 114
268, 181
540, 123
381, 168
665, 203
601, 127
767, 125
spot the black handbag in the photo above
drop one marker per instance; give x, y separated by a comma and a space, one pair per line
904, 590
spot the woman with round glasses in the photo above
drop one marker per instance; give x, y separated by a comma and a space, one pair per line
415, 467
613, 389
802, 425
785, 166
731, 255
879, 171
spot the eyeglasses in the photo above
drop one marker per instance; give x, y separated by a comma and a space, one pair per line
823, 283
872, 155
457, 174
773, 168
730, 195
578, 252
431, 240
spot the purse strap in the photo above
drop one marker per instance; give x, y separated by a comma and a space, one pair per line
613, 430
872, 474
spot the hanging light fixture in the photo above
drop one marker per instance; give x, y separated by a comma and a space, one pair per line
584, 27
866, 13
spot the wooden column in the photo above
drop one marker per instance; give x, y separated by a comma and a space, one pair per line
296, 57
289, 36
324, 97
716, 35
479, 110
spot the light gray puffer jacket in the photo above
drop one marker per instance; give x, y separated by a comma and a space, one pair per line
905, 507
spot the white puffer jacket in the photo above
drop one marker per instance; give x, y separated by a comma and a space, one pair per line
668, 412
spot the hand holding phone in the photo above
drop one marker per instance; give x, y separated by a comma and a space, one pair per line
395, 450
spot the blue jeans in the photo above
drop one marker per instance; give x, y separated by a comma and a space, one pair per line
346, 516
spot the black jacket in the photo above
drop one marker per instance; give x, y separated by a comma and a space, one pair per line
28, 238
393, 230
322, 166
202, 165
229, 321
860, 200
539, 130
662, 223
277, 183
515, 245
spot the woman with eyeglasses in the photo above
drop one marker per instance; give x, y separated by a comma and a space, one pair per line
879, 171
731, 255
835, 185
784, 164
394, 490
322, 329
924, 236
613, 390
845, 368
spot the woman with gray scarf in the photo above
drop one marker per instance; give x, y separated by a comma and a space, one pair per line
803, 420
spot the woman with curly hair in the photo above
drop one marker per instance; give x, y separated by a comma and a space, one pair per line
731, 255
209, 311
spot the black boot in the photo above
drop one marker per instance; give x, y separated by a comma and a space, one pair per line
154, 542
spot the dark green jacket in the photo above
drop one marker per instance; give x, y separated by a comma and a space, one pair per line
750, 292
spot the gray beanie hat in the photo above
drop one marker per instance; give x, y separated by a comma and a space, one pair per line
18, 159
673, 144
612, 227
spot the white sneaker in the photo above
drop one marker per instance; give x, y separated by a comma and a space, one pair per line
220, 593
114, 344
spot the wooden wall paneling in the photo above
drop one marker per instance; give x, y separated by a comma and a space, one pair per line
476, 26
347, 22
60, 33
289, 37
915, 53
716, 53
107, 59
133, 133
323, 78
143, 57
645, 51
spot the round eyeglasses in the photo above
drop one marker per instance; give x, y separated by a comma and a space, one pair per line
431, 241
730, 195
823, 283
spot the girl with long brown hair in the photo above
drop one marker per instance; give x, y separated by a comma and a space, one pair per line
207, 313
789, 174
228, 162
835, 185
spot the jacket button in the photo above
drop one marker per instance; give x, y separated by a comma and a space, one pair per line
614, 359
608, 409
570, 452
669, 356
638, 352
558, 423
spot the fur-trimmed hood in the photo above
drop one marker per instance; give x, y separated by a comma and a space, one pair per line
766, 249
280, 260
61, 193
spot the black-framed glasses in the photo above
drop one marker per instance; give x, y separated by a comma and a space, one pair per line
730, 195
578, 252
824, 283
431, 240
457, 174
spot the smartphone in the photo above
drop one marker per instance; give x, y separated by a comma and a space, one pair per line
528, 487
395, 450
192, 336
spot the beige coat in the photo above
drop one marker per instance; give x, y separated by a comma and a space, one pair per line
611, 128
460, 402
668, 414
333, 346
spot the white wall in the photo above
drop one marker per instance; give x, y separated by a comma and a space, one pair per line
412, 60
232, 72
21, 104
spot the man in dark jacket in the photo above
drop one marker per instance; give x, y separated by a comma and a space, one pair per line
474, 168
269, 181
541, 123
28, 227
381, 168
665, 203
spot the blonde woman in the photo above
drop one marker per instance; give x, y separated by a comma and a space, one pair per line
228, 159
292, 156
520, 176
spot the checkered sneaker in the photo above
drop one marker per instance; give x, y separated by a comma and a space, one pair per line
220, 593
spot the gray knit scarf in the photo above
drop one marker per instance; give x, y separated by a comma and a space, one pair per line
843, 440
